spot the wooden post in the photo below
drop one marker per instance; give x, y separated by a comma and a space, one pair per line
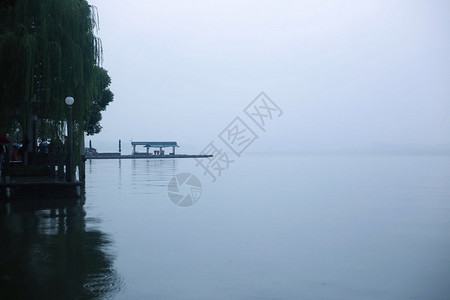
82, 169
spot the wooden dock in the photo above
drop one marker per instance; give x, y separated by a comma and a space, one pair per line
91, 153
39, 187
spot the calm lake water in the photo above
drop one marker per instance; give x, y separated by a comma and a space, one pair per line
289, 226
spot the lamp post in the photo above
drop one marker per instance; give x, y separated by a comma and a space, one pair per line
69, 168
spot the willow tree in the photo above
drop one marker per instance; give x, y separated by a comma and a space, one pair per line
48, 51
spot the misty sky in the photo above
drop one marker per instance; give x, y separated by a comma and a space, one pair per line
347, 74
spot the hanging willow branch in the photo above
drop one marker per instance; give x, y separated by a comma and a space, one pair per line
49, 50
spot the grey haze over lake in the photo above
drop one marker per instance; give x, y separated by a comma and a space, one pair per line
297, 226
348, 74
280, 227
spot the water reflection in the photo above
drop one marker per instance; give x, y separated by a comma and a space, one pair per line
49, 250
152, 174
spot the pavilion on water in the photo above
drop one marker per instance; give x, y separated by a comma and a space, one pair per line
159, 145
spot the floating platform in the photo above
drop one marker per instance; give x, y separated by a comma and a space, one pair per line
143, 155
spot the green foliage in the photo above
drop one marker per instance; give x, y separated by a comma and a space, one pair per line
48, 51
102, 98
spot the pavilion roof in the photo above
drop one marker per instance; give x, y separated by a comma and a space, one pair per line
155, 144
